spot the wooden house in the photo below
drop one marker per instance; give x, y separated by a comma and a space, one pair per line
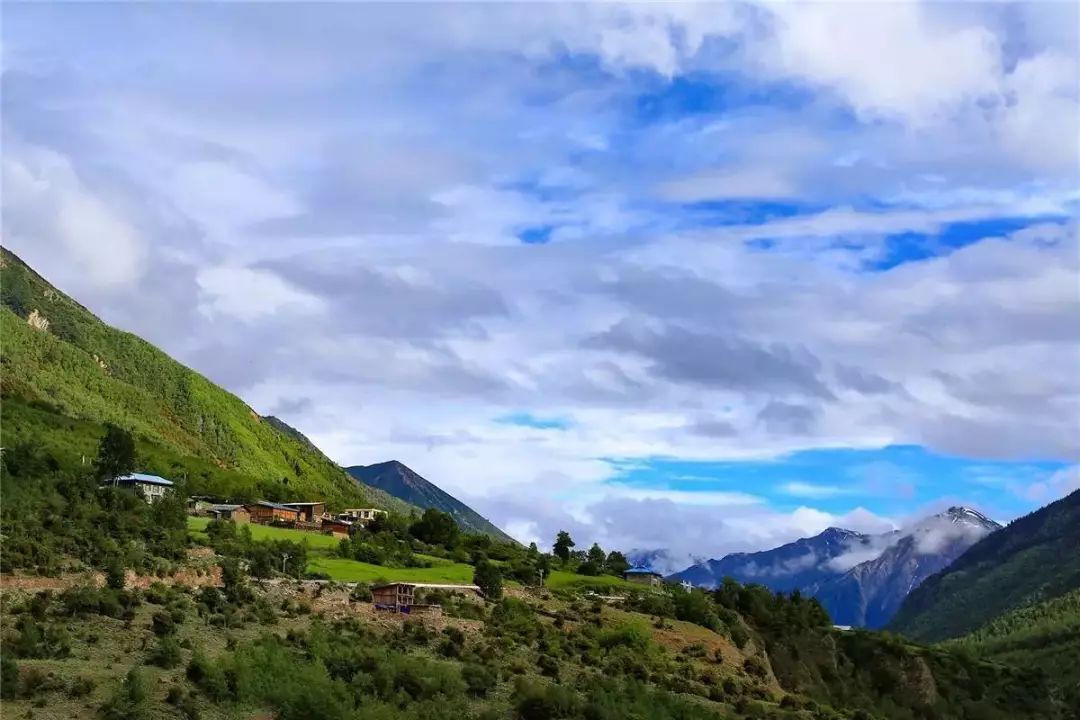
267, 513
236, 513
397, 597
310, 512
401, 597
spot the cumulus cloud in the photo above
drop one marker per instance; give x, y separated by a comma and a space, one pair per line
345, 196
50, 211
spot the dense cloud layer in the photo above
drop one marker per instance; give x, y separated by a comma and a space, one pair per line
398, 226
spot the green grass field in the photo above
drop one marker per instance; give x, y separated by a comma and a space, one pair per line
321, 547
352, 571
560, 579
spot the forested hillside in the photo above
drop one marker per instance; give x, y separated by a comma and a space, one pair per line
66, 373
1035, 558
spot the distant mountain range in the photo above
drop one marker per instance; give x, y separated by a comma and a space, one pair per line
1034, 559
859, 579
869, 594
400, 481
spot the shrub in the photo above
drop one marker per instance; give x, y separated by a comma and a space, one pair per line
129, 700
361, 592
479, 679
540, 701
162, 623
81, 687
166, 652
9, 677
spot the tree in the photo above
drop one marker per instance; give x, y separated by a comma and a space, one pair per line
594, 561
616, 563
488, 578
596, 555
116, 454
436, 528
562, 546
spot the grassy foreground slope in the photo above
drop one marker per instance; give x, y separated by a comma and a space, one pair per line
1035, 558
65, 373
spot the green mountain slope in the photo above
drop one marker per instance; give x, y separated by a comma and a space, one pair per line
1044, 636
403, 483
65, 373
1035, 558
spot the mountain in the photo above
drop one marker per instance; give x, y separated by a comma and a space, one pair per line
859, 579
399, 481
789, 567
870, 593
1035, 558
66, 374
661, 560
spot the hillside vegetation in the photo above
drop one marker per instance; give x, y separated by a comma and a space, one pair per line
1035, 558
66, 373
257, 641
1044, 636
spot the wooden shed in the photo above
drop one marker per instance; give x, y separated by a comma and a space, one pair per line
268, 512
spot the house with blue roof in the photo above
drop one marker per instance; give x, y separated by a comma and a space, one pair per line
643, 576
150, 488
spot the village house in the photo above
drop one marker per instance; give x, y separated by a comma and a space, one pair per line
150, 488
360, 515
268, 513
401, 597
643, 576
236, 513
310, 512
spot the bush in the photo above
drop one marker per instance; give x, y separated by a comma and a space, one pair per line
162, 623
129, 700
361, 592
9, 678
540, 701
479, 679
166, 652
81, 687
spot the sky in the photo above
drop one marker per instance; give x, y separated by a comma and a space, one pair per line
699, 277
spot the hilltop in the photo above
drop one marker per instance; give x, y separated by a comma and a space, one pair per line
400, 481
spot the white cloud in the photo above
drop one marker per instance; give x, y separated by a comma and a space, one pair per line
249, 294
50, 211
366, 209
798, 488
1057, 485
888, 60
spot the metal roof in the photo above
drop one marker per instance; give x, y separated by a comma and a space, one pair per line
430, 586
276, 506
302, 504
224, 508
144, 479
639, 570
